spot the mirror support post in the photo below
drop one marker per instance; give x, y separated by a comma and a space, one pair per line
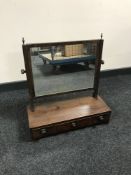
98, 67
28, 71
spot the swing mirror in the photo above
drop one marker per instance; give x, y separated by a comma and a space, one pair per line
63, 67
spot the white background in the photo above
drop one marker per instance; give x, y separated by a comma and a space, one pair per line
63, 20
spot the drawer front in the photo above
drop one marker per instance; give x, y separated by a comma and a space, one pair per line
69, 125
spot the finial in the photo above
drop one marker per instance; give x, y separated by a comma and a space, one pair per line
23, 40
101, 35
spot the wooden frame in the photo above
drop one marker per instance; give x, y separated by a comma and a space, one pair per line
28, 68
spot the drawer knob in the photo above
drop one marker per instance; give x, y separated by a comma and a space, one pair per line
101, 118
73, 124
43, 131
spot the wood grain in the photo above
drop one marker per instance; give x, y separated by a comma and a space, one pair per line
61, 111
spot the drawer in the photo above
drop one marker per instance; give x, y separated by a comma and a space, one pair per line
56, 128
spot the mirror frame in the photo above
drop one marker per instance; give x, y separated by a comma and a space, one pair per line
28, 68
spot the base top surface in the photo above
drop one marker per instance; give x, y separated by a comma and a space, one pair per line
62, 111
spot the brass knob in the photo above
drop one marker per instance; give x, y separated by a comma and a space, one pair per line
73, 124
43, 131
23, 71
101, 118
102, 62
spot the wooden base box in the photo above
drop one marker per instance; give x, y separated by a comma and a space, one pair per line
62, 116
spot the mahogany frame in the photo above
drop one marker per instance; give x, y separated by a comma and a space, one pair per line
28, 68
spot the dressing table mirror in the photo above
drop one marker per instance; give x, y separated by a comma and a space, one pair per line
63, 81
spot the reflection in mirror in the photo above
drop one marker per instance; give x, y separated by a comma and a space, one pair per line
63, 68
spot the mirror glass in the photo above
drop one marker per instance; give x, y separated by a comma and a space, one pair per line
59, 68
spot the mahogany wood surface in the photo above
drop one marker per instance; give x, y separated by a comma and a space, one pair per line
67, 110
